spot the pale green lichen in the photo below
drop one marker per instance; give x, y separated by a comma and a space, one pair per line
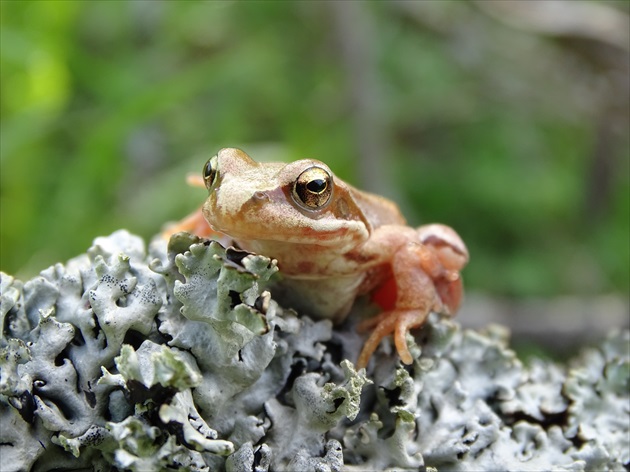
181, 359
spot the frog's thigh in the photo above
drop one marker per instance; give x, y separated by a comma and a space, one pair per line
194, 223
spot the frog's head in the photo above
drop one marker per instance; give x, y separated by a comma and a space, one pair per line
300, 203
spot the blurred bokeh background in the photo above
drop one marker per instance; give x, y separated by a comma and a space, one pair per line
507, 120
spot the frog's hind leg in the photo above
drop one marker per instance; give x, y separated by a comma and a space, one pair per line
451, 257
451, 292
194, 223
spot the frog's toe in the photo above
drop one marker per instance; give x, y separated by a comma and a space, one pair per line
383, 325
398, 322
406, 320
371, 323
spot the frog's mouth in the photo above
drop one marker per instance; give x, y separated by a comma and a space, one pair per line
339, 238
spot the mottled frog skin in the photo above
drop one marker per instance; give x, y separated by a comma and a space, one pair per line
333, 243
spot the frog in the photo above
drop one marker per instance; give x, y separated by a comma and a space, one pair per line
333, 243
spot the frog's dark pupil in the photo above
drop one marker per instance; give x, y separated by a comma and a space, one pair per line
316, 185
207, 171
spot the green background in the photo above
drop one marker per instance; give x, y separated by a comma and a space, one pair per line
515, 137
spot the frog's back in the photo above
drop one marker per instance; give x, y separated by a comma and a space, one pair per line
378, 210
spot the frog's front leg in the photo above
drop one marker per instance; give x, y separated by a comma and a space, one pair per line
426, 273
416, 298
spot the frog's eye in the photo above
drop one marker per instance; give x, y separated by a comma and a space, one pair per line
210, 172
313, 188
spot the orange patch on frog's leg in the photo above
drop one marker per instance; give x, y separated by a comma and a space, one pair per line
385, 295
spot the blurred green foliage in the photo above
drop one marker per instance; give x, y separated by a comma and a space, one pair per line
516, 139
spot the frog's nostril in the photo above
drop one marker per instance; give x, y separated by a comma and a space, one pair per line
260, 196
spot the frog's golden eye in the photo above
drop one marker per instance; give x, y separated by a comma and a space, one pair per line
210, 172
313, 188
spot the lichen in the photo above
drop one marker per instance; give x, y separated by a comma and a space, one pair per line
179, 358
